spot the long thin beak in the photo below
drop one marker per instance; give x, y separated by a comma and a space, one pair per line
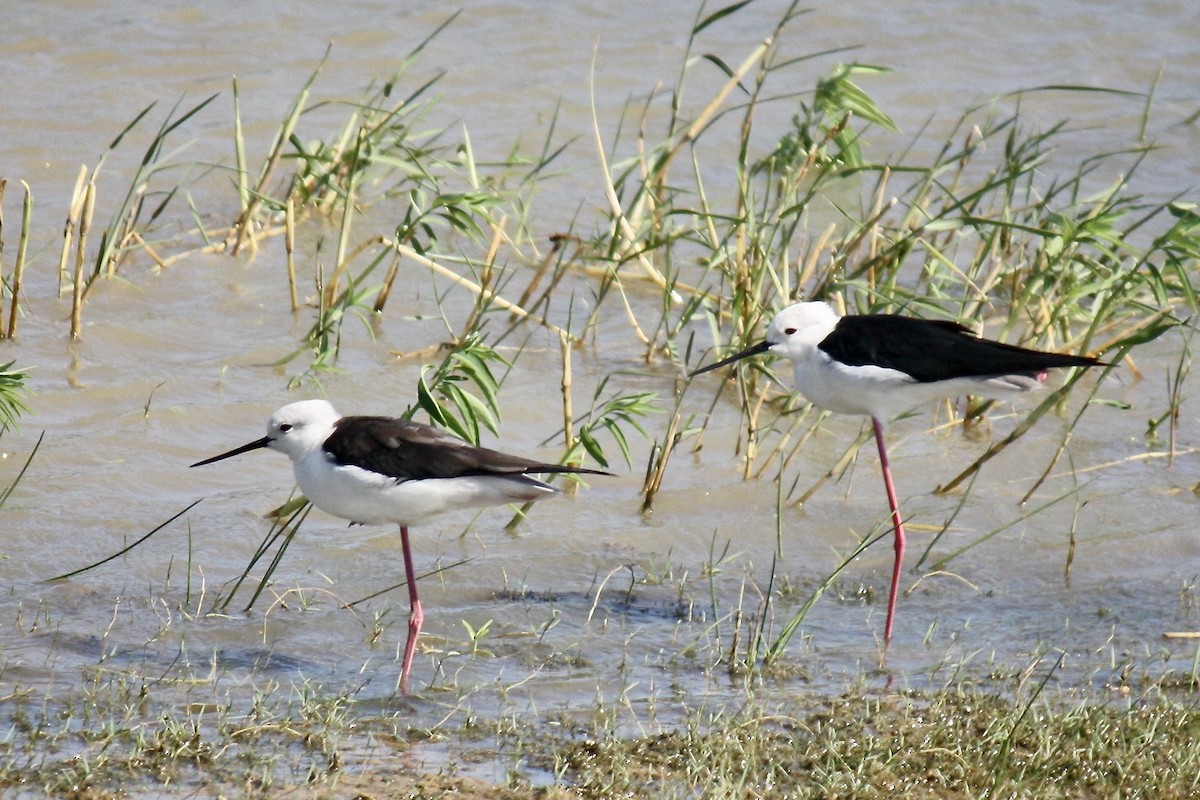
237, 451
754, 350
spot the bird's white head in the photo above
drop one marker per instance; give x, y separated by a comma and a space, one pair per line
799, 328
299, 428
794, 333
296, 430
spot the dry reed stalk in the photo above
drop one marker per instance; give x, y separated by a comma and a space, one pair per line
348, 207
556, 243
116, 251
343, 264
629, 315
137, 239
239, 148
657, 468
752, 436
783, 444
876, 213
19, 265
208, 249
1126, 332
705, 116
556, 278
842, 464
73, 212
382, 298
601, 273
701, 121
328, 199
470, 286
851, 245
427, 352
814, 255
85, 225
786, 461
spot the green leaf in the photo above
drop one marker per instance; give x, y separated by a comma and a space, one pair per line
720, 14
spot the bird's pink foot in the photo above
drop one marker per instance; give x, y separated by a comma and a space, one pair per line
415, 618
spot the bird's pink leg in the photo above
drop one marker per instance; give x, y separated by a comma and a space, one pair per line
897, 524
415, 616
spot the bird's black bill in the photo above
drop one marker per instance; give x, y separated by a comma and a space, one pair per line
237, 451
761, 347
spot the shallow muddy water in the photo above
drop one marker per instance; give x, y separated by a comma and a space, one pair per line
589, 598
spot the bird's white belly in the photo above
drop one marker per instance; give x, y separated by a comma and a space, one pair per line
883, 393
867, 390
360, 495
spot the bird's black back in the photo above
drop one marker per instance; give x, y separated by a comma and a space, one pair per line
409, 450
934, 350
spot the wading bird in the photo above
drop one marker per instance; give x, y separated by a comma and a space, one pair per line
880, 365
373, 470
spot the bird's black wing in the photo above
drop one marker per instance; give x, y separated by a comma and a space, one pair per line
934, 350
409, 450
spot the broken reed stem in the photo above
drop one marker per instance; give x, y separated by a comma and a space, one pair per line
289, 244
382, 298
556, 243
137, 239
85, 224
73, 212
470, 286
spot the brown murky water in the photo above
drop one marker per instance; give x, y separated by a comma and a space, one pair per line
194, 345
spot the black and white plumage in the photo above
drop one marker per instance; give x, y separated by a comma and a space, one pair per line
380, 469
881, 365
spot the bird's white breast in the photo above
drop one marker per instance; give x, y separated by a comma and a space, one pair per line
835, 386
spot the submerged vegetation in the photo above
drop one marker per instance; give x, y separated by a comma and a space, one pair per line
959, 742
693, 248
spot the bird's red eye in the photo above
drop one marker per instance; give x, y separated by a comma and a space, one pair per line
789, 331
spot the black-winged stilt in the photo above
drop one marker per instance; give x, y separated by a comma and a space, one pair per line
373, 470
881, 365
